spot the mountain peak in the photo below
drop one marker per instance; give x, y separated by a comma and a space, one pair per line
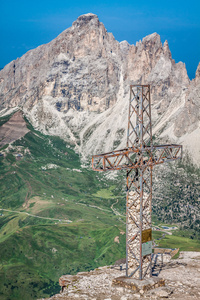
154, 36
85, 19
84, 71
152, 41
166, 50
198, 71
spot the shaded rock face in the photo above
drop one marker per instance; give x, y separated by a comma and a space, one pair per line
77, 70
77, 86
13, 130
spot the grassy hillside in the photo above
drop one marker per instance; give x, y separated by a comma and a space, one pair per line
58, 216
55, 217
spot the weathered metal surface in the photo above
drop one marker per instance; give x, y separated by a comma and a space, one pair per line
138, 158
133, 158
146, 235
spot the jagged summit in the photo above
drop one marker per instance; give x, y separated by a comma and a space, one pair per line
152, 36
198, 71
152, 42
85, 19
166, 50
77, 87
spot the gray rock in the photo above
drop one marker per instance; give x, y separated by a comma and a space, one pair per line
77, 87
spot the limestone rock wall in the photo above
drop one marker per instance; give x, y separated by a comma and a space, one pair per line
77, 86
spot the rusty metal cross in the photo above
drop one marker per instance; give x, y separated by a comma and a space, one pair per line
138, 158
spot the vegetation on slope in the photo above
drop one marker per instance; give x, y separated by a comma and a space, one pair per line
55, 217
176, 196
58, 216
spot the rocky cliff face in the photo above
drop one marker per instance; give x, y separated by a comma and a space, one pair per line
77, 86
100, 283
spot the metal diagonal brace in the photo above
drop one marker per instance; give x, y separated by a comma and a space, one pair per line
138, 158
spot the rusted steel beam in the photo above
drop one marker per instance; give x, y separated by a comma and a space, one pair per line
130, 158
138, 158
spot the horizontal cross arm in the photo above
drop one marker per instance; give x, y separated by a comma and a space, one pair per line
134, 158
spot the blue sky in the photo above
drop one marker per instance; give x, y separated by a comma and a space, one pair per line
24, 25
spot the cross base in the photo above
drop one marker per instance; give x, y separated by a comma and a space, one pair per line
137, 285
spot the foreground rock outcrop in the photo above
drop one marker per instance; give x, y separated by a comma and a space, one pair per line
181, 276
77, 87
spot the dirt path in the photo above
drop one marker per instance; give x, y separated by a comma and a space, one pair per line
34, 216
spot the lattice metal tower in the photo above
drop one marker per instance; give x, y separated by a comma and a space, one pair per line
138, 158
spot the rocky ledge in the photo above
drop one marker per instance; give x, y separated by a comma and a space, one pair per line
181, 277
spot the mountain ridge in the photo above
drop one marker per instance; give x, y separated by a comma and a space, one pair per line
77, 87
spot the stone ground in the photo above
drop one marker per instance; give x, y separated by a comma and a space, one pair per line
182, 281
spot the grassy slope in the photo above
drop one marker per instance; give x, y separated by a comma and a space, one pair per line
184, 244
49, 182
34, 252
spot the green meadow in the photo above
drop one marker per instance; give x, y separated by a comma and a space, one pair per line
55, 217
183, 243
58, 217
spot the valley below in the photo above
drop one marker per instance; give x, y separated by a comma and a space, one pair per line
59, 217
56, 216
60, 104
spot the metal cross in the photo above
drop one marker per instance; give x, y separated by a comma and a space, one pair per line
138, 158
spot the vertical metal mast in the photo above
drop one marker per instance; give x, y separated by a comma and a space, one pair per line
138, 158
139, 185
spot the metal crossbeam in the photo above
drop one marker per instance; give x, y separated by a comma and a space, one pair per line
138, 158
132, 158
